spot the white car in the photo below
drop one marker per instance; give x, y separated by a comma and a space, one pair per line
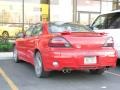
110, 24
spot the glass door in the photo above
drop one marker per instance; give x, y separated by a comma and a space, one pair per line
86, 18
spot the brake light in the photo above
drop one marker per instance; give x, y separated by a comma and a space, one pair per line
59, 42
109, 42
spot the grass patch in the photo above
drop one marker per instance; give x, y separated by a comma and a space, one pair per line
6, 46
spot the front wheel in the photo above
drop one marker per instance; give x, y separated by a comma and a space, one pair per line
97, 71
5, 35
39, 70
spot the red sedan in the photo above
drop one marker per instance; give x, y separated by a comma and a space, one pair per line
65, 47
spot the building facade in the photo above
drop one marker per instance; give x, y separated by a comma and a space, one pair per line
33, 11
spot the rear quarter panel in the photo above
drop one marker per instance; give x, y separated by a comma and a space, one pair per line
42, 42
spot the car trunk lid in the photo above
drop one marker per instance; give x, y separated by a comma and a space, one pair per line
85, 40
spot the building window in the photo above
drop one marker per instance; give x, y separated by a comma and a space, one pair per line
54, 2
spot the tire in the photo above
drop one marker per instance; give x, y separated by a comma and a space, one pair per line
15, 55
5, 35
39, 70
97, 71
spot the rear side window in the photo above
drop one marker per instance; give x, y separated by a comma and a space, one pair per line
37, 30
28, 33
115, 23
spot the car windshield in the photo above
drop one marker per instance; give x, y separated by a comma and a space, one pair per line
67, 27
107, 21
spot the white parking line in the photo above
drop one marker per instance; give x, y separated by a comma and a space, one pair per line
115, 74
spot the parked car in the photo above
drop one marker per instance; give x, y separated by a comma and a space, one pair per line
110, 24
10, 30
64, 47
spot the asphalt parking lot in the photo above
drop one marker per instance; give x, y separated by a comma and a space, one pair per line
21, 77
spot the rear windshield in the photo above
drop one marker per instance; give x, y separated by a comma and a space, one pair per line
58, 28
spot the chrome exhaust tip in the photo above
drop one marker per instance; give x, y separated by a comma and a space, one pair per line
66, 70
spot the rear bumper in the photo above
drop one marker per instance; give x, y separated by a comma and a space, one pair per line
74, 59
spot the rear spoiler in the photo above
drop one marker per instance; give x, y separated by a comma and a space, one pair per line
65, 33
103, 33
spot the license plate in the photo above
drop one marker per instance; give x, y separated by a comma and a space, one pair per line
90, 60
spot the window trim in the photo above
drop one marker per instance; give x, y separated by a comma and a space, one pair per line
28, 30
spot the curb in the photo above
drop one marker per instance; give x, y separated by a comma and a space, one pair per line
7, 58
6, 55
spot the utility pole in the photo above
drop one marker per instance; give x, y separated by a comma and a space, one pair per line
117, 4
23, 15
74, 11
49, 10
100, 6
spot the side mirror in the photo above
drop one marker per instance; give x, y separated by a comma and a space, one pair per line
20, 35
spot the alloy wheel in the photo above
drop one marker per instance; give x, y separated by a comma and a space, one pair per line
38, 65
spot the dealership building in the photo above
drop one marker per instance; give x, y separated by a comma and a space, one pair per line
34, 11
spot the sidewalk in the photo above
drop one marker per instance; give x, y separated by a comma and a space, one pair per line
6, 55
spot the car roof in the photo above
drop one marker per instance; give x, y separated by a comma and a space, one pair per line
58, 23
110, 12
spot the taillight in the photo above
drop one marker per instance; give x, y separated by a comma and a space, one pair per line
59, 42
109, 42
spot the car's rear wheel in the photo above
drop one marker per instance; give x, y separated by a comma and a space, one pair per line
97, 71
5, 35
39, 70
15, 55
